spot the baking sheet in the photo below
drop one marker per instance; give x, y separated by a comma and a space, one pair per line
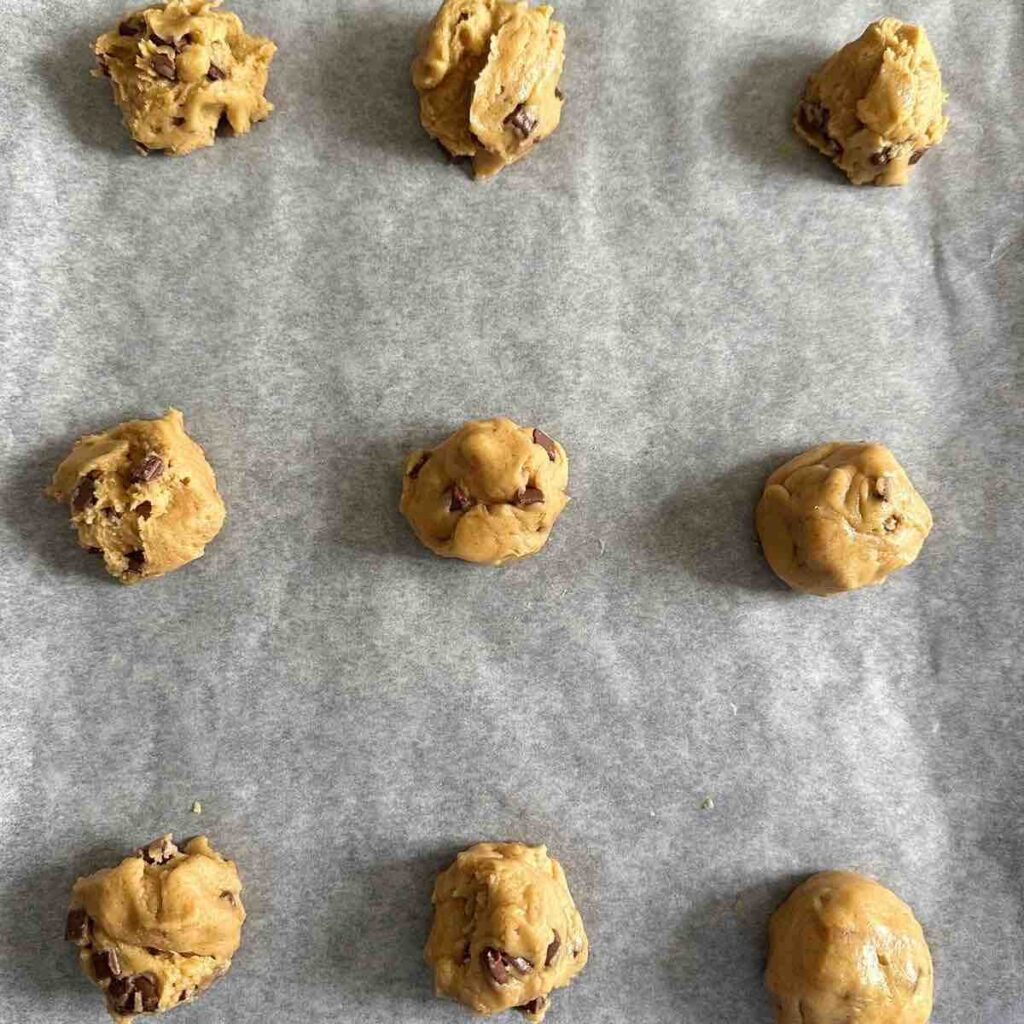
680, 292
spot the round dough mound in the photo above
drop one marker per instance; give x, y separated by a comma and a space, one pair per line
490, 493
839, 517
158, 929
176, 70
506, 932
845, 950
141, 494
875, 107
487, 75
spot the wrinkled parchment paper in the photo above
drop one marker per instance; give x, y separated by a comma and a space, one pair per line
684, 295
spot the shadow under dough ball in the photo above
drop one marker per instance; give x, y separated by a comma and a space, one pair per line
488, 494
142, 495
177, 70
839, 517
487, 75
875, 106
843, 949
506, 932
159, 928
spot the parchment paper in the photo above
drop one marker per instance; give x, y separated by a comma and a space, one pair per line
680, 292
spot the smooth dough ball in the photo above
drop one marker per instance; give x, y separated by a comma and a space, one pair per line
176, 70
158, 929
487, 75
142, 495
506, 932
875, 107
490, 493
843, 949
841, 516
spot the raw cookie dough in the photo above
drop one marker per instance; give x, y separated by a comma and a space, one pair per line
875, 107
176, 70
488, 494
158, 929
487, 75
841, 516
141, 494
845, 950
506, 932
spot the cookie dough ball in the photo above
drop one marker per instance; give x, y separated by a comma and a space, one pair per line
841, 516
490, 493
875, 107
487, 76
159, 928
845, 950
142, 495
506, 932
177, 70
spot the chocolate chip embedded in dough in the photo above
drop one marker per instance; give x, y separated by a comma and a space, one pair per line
882, 157
494, 965
137, 993
559, 95
148, 469
813, 116
520, 963
420, 463
552, 952
522, 121
529, 496
84, 493
539, 437
76, 929
215, 74
917, 154
533, 1006
105, 964
164, 66
130, 27
459, 500
136, 561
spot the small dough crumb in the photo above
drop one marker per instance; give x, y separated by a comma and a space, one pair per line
506, 932
845, 950
180, 70
487, 75
197, 807
142, 495
841, 516
159, 928
875, 107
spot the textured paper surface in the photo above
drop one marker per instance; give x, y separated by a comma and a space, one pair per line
681, 293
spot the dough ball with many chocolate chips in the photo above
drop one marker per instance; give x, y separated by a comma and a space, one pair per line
142, 495
841, 516
180, 70
487, 75
875, 107
159, 928
506, 932
490, 493
845, 950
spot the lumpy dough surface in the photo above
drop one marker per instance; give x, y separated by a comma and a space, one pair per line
487, 75
490, 493
875, 107
141, 494
506, 932
841, 516
159, 928
176, 70
845, 950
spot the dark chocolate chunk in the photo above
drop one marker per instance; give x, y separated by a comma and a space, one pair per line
420, 463
460, 499
522, 121
138, 993
105, 964
559, 95
76, 929
494, 964
177, 121
144, 509
164, 66
160, 850
215, 73
553, 949
529, 496
136, 560
814, 117
159, 40
882, 157
917, 154
148, 469
539, 437
84, 494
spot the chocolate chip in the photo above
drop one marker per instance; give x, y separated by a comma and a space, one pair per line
559, 95
76, 929
539, 437
882, 157
130, 27
186, 40
420, 463
137, 993
494, 965
460, 499
84, 494
522, 121
464, 16
529, 496
814, 117
215, 73
163, 65
110, 512
159, 40
136, 561
533, 1006
177, 121
160, 850
148, 469
553, 949
230, 897
144, 509
917, 154
520, 963
105, 964
891, 524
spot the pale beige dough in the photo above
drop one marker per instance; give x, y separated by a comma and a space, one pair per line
875, 107
141, 494
845, 950
490, 493
506, 932
487, 75
159, 928
841, 516
177, 69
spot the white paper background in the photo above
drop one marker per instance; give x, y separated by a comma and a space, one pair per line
680, 292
